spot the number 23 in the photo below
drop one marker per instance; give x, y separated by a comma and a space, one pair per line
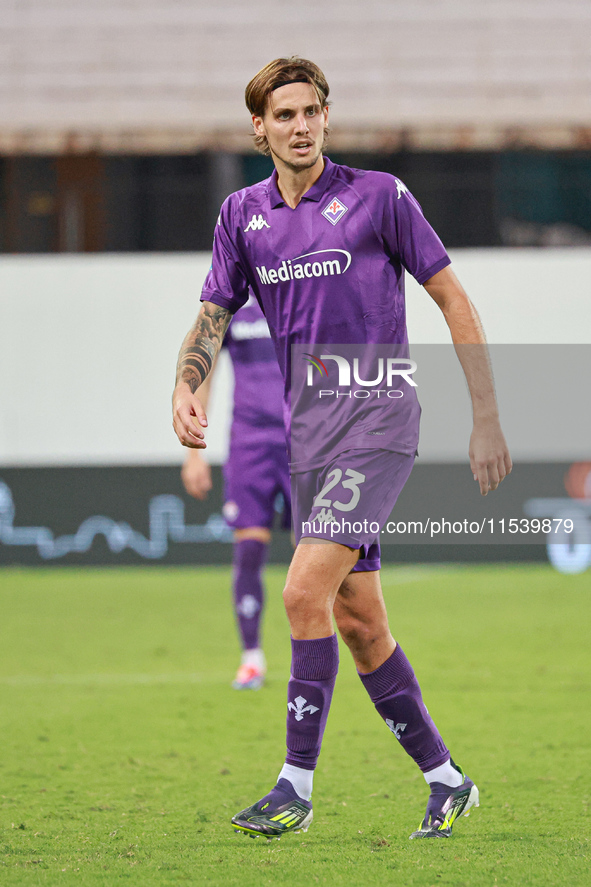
354, 479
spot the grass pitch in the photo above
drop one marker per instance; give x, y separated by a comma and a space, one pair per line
125, 752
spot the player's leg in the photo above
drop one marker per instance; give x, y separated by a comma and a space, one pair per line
315, 575
389, 679
250, 489
386, 673
313, 580
249, 557
260, 493
319, 566
384, 669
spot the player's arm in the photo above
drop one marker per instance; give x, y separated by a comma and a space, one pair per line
196, 358
489, 454
196, 471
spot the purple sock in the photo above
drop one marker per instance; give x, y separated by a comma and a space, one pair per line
314, 666
249, 560
395, 692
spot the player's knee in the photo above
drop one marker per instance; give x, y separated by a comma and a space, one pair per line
299, 600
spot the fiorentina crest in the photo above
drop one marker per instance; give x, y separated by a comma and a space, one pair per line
300, 708
334, 211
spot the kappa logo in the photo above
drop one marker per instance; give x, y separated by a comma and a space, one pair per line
401, 188
396, 729
334, 211
257, 223
326, 516
301, 708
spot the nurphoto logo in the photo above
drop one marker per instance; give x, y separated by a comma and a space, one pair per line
384, 371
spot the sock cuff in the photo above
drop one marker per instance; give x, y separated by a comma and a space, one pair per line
393, 675
249, 554
315, 660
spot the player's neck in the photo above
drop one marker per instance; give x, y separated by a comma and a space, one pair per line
293, 183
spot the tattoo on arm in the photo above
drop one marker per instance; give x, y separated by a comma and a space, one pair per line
201, 345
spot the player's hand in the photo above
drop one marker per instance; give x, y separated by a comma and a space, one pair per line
187, 417
196, 475
489, 455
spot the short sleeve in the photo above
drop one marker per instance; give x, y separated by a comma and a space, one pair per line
226, 283
411, 237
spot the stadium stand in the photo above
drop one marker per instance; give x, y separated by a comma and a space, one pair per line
148, 76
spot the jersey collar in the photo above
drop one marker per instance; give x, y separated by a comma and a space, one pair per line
315, 193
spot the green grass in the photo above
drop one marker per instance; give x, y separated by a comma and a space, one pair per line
125, 752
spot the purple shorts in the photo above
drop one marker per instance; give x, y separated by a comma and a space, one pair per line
256, 486
349, 500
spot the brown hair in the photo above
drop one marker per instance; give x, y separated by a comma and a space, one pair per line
278, 73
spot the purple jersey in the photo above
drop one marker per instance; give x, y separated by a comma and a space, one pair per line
330, 271
258, 386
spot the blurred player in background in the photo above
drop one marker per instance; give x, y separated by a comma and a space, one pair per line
256, 476
324, 249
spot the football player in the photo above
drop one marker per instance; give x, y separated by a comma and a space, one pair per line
324, 248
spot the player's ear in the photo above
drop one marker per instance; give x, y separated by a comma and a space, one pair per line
258, 125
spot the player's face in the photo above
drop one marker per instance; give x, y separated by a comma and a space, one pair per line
294, 124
